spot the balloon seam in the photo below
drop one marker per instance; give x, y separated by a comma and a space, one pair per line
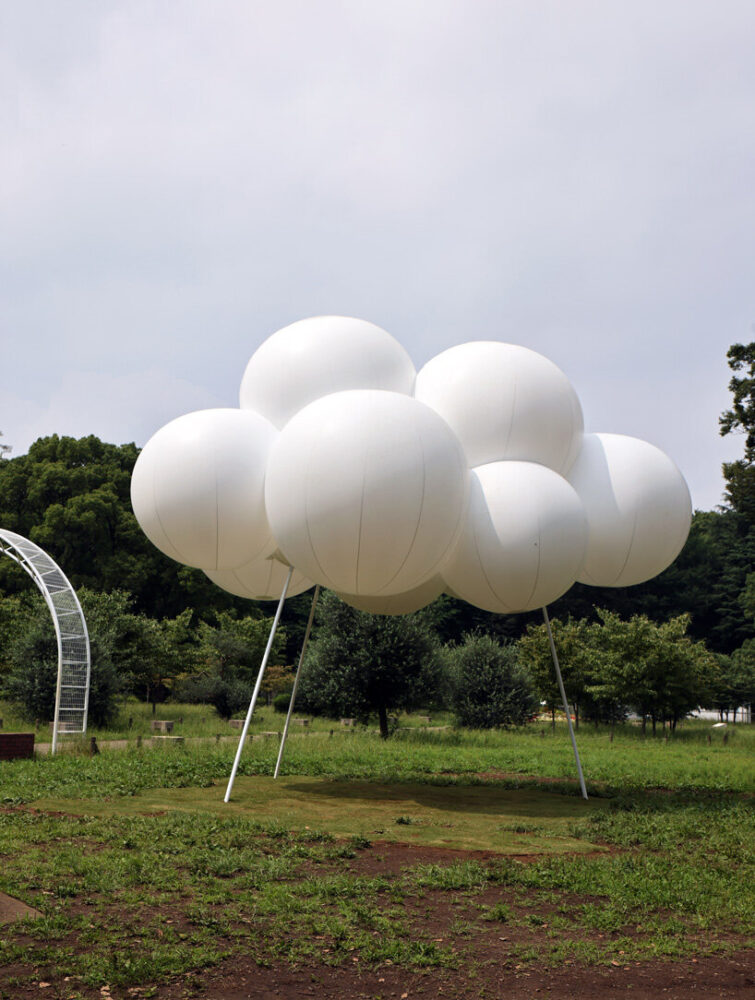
629, 549
419, 518
306, 525
359, 530
482, 568
539, 554
511, 415
177, 556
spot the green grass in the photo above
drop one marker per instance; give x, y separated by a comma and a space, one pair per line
478, 817
143, 874
233, 883
626, 762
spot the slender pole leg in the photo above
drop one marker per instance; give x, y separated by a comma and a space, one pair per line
296, 680
56, 720
566, 703
256, 691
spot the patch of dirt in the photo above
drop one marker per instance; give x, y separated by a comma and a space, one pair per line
389, 857
12, 910
487, 952
726, 978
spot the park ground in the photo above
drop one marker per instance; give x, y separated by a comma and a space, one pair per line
439, 863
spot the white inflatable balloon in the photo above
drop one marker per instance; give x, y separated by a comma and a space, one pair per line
260, 580
365, 492
319, 356
504, 402
523, 542
638, 509
197, 488
398, 604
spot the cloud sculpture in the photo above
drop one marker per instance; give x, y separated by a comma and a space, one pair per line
473, 477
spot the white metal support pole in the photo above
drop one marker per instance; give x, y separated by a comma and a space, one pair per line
296, 680
56, 719
256, 691
566, 703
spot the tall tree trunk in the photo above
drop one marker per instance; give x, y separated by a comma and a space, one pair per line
553, 718
383, 717
652, 716
576, 715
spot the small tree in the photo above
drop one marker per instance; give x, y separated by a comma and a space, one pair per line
32, 681
360, 663
738, 678
233, 648
490, 688
580, 661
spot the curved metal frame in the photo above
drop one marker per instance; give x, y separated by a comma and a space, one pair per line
74, 656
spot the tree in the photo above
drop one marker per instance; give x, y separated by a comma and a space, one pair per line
72, 497
736, 682
490, 688
580, 660
233, 648
358, 663
32, 680
655, 668
16, 616
740, 475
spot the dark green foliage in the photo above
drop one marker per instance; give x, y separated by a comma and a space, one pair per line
736, 680
230, 697
656, 669
33, 657
72, 497
359, 664
233, 646
489, 686
740, 475
282, 701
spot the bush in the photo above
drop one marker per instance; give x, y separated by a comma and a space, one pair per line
228, 697
489, 687
281, 701
359, 664
33, 677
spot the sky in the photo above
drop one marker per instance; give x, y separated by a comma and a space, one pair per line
178, 181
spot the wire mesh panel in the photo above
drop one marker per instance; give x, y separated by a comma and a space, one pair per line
74, 663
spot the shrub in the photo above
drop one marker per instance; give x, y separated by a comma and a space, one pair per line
359, 664
228, 697
489, 687
281, 701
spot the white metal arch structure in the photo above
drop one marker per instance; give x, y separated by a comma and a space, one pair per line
74, 660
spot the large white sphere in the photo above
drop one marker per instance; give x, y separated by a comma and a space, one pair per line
197, 488
523, 542
504, 402
638, 509
365, 492
260, 580
398, 604
318, 356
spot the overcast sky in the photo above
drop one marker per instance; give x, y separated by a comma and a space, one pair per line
179, 180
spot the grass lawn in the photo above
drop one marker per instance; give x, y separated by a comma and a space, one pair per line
356, 863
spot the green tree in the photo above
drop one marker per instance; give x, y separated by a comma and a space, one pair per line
72, 497
358, 663
580, 660
656, 668
736, 685
32, 680
17, 613
490, 688
740, 475
232, 649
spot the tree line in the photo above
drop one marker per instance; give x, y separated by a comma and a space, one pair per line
167, 629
